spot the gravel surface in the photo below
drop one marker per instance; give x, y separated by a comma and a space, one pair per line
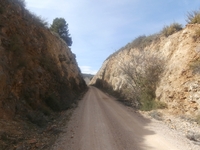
102, 123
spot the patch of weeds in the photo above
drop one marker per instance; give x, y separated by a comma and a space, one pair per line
193, 17
156, 115
142, 41
160, 105
148, 105
147, 102
171, 29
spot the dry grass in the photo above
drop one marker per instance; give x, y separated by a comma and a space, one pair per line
171, 29
193, 17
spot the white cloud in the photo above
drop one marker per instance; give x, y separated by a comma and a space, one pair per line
88, 70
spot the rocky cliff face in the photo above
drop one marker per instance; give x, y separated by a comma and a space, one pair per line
38, 71
179, 86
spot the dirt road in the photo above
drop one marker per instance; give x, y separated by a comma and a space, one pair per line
102, 123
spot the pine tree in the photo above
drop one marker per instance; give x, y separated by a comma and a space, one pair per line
60, 26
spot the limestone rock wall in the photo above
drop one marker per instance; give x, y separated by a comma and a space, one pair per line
179, 85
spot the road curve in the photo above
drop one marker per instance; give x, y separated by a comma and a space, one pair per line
102, 123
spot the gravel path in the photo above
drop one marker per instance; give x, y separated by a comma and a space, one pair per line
102, 123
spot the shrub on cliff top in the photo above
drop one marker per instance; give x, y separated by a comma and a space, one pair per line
171, 29
193, 17
22, 3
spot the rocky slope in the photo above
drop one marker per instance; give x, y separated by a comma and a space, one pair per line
38, 72
179, 85
87, 77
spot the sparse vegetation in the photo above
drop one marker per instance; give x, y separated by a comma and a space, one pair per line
142, 41
171, 29
142, 75
38, 20
193, 17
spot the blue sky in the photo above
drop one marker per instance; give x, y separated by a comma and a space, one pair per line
100, 27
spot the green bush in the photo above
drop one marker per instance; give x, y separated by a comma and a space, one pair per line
160, 105
149, 104
171, 29
193, 17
